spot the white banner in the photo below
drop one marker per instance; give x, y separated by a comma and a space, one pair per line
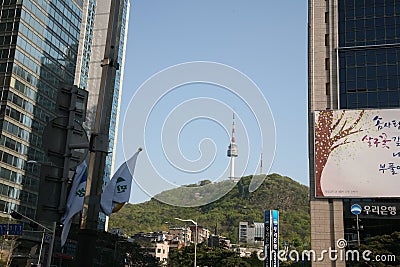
357, 153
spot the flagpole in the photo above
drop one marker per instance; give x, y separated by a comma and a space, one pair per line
51, 246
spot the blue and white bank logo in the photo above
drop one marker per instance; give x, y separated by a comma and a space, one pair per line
356, 209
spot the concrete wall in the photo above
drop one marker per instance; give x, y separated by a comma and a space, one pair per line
326, 214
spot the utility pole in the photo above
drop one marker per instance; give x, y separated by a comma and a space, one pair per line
86, 251
358, 231
19, 216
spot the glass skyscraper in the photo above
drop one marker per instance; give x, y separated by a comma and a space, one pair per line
39, 45
353, 55
44, 44
369, 53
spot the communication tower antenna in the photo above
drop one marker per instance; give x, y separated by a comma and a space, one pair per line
232, 150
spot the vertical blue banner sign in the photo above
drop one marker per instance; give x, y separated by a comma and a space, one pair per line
271, 238
275, 238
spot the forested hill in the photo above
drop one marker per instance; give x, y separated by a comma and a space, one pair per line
276, 192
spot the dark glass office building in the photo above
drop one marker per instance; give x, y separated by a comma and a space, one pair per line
369, 53
45, 44
353, 55
38, 50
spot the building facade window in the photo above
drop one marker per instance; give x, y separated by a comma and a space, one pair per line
369, 54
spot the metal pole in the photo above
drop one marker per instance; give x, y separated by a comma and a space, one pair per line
40, 250
51, 246
100, 136
61, 258
358, 231
86, 250
195, 248
67, 154
31, 220
53, 236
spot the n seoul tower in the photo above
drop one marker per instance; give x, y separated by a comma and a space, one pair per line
232, 150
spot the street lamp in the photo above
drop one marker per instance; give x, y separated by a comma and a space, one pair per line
195, 239
19, 216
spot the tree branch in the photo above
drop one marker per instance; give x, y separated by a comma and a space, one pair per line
343, 143
348, 131
338, 120
356, 121
341, 129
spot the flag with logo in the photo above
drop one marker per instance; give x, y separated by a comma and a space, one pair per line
75, 200
118, 190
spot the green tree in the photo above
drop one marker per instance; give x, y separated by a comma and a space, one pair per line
211, 257
276, 192
133, 254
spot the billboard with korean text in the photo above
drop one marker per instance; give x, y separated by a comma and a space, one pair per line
357, 153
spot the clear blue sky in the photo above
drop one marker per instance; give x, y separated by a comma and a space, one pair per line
265, 40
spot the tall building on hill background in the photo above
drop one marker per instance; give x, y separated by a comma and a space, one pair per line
44, 44
251, 233
354, 56
88, 72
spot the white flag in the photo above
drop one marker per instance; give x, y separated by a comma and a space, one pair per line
118, 190
75, 200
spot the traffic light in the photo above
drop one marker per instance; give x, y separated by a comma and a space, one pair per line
16, 215
65, 141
